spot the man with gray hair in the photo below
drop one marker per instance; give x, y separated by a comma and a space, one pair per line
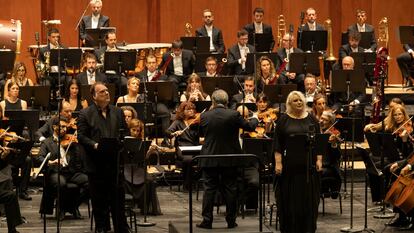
221, 129
96, 20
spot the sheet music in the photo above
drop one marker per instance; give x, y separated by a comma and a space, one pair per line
190, 148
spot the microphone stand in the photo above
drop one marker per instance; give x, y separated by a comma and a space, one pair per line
79, 21
145, 223
300, 29
59, 99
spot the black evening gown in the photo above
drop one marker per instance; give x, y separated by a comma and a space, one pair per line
297, 198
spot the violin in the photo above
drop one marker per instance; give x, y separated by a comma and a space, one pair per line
259, 132
72, 124
268, 115
10, 136
406, 127
66, 140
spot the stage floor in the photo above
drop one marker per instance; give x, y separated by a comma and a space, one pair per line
174, 205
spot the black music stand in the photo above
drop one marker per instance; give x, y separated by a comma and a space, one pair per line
197, 44
15, 125
139, 108
345, 125
261, 41
7, 58
23, 150
30, 117
85, 91
348, 81
314, 40
95, 37
201, 60
251, 57
302, 63
226, 83
365, 61
35, 96
136, 157
278, 93
120, 61
202, 105
68, 57
365, 42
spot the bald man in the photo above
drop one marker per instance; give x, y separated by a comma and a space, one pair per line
348, 63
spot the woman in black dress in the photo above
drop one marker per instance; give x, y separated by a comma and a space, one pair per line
297, 190
73, 96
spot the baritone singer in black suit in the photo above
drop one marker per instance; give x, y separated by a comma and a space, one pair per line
221, 129
101, 120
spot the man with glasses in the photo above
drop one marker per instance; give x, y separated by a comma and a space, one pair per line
237, 54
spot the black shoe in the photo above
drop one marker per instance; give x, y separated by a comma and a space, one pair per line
232, 225
25, 196
76, 214
398, 222
204, 225
408, 227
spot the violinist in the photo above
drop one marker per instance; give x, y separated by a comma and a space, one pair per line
71, 170
194, 90
266, 115
330, 176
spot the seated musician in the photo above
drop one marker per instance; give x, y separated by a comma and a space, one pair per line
133, 95
8, 197
237, 54
134, 176
129, 113
319, 105
185, 130
19, 77
311, 88
266, 116
96, 20
91, 74
331, 176
265, 74
211, 68
362, 26
194, 90
73, 96
405, 63
215, 34
71, 171
354, 38
249, 93
12, 100
287, 77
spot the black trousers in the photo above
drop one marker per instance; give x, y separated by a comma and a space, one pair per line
405, 61
11, 205
108, 198
225, 180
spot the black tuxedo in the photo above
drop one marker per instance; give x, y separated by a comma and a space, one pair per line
86, 22
187, 58
233, 57
267, 29
406, 62
83, 78
218, 41
338, 99
346, 50
368, 28
283, 79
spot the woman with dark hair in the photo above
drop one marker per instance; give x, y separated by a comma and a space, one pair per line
194, 90
73, 96
12, 100
19, 77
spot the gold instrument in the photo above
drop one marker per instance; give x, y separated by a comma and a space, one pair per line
321, 81
383, 36
331, 57
281, 29
187, 30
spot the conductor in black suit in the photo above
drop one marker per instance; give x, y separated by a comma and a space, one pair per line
258, 27
221, 129
96, 20
91, 74
215, 34
361, 26
311, 24
237, 54
101, 120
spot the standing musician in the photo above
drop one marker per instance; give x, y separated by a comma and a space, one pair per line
249, 93
73, 96
91, 74
362, 26
19, 77
311, 24
237, 54
194, 90
215, 34
96, 20
265, 73
287, 77
71, 171
221, 129
258, 27
102, 120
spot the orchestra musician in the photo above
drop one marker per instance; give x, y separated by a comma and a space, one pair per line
102, 120
298, 199
265, 73
362, 26
12, 100
73, 96
311, 88
405, 62
96, 20
129, 113
215, 34
287, 77
266, 116
211, 68
354, 37
249, 94
194, 90
19, 77
91, 74
221, 129
319, 105
133, 95
237, 54
71, 171
258, 27
311, 24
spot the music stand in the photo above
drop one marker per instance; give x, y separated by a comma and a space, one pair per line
7, 58
347, 81
365, 42
364, 61
261, 41
35, 95
15, 125
120, 61
85, 91
95, 37
23, 148
250, 106
139, 108
197, 44
202, 105
30, 117
314, 40
302, 63
226, 83
68, 57
201, 61
250, 60
278, 93
344, 125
